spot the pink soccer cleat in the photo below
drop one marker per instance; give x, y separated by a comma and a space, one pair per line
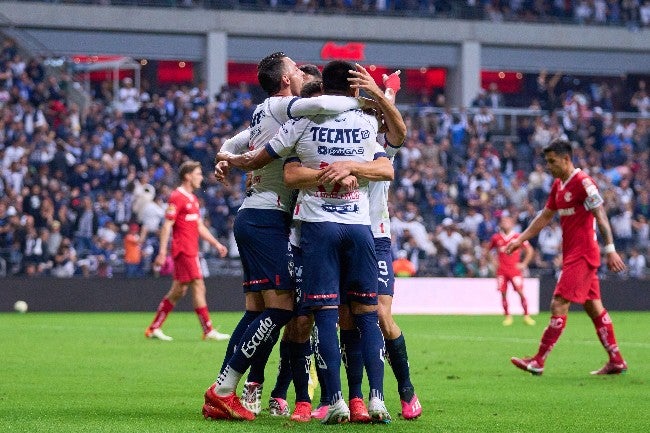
529, 364
411, 409
358, 410
302, 412
612, 368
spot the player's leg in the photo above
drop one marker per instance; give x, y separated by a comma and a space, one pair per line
323, 405
352, 358
167, 304
278, 401
300, 353
502, 286
254, 304
201, 309
605, 331
518, 285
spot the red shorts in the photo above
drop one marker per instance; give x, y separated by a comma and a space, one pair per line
578, 282
517, 282
187, 268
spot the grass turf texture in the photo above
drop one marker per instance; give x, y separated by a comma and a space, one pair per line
95, 372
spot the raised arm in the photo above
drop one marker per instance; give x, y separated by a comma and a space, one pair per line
325, 104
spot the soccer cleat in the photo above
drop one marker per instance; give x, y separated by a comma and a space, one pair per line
528, 320
612, 368
337, 413
158, 334
358, 410
228, 405
378, 412
411, 409
530, 365
507, 321
216, 335
251, 397
212, 413
278, 407
302, 412
320, 412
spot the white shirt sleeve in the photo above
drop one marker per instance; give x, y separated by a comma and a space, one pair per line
325, 104
237, 144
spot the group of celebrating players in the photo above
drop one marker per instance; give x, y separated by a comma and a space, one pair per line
313, 235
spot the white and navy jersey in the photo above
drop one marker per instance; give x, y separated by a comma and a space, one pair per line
268, 190
321, 140
378, 196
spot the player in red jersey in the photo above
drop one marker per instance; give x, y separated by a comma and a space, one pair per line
509, 267
183, 221
575, 197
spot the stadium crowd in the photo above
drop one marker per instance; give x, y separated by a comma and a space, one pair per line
83, 191
634, 14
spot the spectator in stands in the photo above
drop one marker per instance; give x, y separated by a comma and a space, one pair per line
637, 265
402, 266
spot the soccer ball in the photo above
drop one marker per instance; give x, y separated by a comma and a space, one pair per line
20, 306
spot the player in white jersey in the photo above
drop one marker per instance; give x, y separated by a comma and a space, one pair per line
261, 231
338, 251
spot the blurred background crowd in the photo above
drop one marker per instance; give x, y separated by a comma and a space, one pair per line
83, 189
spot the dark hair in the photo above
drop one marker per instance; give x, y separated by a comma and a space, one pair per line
269, 72
560, 147
335, 77
311, 89
311, 70
186, 168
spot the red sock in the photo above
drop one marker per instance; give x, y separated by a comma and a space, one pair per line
164, 308
524, 304
504, 302
605, 331
204, 318
549, 337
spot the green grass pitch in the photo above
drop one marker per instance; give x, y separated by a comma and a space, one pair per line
95, 372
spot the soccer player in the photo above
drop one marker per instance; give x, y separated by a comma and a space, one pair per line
262, 233
339, 264
509, 268
393, 139
183, 221
575, 197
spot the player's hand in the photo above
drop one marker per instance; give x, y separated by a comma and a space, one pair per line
221, 170
349, 183
361, 79
512, 246
335, 172
614, 262
221, 249
392, 81
160, 260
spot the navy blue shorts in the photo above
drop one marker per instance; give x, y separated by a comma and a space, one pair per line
386, 277
339, 264
262, 237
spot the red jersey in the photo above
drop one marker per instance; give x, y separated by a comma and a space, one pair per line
574, 200
183, 209
507, 262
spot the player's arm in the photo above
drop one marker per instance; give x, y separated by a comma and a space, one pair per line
300, 177
614, 261
324, 104
234, 145
252, 160
204, 232
537, 224
377, 170
165, 232
528, 255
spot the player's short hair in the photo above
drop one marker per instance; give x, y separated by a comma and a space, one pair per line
560, 146
335, 77
269, 72
312, 70
186, 168
313, 88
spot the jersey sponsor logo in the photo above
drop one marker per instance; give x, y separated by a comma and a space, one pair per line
192, 217
566, 212
340, 208
350, 195
266, 327
340, 151
567, 196
338, 135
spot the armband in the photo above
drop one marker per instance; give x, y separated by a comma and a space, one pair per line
609, 248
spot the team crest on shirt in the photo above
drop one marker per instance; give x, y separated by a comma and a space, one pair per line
567, 196
171, 209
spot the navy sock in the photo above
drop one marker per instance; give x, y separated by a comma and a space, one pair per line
300, 360
399, 362
353, 360
373, 349
260, 337
237, 334
283, 379
320, 372
261, 358
329, 355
